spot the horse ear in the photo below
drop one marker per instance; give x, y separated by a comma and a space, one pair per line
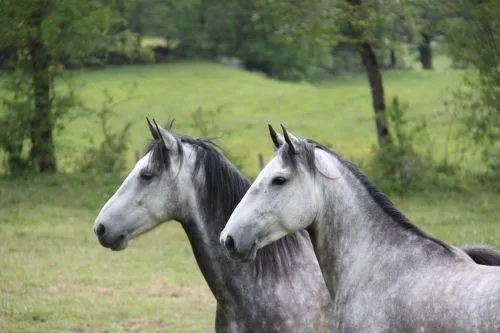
289, 139
153, 131
166, 137
277, 138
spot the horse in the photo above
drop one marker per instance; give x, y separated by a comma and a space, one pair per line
383, 273
188, 180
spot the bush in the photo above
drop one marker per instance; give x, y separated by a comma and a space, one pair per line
400, 166
109, 156
127, 49
474, 42
478, 109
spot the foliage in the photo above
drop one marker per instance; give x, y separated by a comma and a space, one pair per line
284, 40
15, 122
44, 33
109, 156
389, 25
474, 42
17, 113
401, 163
124, 49
68, 26
144, 18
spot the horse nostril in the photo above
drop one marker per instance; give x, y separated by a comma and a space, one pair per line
229, 244
100, 230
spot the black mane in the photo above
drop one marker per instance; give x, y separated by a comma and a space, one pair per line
221, 190
306, 149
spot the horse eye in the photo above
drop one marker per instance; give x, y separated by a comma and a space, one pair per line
279, 181
146, 175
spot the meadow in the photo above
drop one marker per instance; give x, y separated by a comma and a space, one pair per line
54, 275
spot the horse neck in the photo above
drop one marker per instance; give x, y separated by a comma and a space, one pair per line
354, 238
290, 263
203, 231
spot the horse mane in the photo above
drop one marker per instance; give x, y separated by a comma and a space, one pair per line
221, 190
306, 149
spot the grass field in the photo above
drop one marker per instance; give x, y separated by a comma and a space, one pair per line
55, 277
337, 112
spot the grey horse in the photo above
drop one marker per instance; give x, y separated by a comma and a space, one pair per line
188, 180
383, 273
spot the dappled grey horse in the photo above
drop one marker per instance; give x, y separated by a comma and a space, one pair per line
383, 273
188, 180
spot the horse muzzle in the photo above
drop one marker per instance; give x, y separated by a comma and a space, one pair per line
110, 239
238, 251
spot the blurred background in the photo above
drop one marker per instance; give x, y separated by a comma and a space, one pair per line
409, 90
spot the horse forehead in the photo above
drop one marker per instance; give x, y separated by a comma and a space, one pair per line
276, 164
143, 161
269, 171
141, 164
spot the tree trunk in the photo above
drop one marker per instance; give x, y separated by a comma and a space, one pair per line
377, 89
425, 51
393, 59
42, 154
372, 69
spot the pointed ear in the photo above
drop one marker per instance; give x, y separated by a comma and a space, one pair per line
289, 139
153, 131
166, 137
278, 139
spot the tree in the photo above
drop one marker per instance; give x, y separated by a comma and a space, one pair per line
357, 15
286, 40
473, 33
425, 51
44, 32
429, 18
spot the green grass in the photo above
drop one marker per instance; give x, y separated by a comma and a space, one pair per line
55, 277
336, 112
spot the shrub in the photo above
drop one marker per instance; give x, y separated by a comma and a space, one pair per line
401, 166
109, 156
